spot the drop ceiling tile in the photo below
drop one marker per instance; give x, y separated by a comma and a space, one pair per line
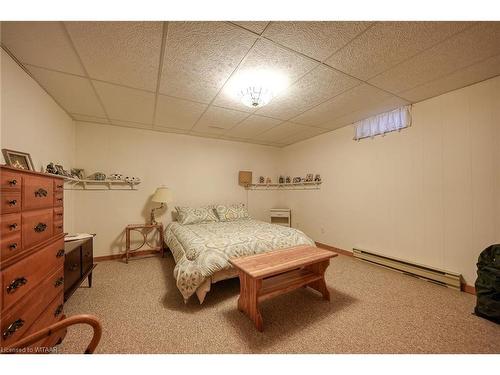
315, 87
304, 134
85, 118
177, 113
73, 93
200, 57
315, 39
265, 56
367, 111
205, 134
126, 53
252, 126
388, 43
280, 132
468, 47
255, 26
350, 101
131, 124
474, 73
218, 120
170, 130
122, 103
37, 43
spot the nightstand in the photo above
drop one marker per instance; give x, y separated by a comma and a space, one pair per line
281, 216
144, 230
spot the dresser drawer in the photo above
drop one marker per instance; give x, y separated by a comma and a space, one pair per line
38, 192
72, 268
10, 223
18, 320
10, 245
37, 226
87, 256
52, 314
10, 180
280, 214
58, 199
25, 275
58, 213
58, 227
11, 202
58, 185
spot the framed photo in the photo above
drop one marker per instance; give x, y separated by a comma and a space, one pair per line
18, 159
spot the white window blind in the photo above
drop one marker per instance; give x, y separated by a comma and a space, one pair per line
383, 123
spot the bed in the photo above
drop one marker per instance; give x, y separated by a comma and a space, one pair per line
201, 251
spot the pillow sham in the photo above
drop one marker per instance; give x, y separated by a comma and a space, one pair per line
231, 212
190, 215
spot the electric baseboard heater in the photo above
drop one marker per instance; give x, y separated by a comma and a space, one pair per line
434, 275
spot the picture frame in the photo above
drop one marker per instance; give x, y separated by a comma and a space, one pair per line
18, 159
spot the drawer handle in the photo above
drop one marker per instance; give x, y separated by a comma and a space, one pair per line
40, 227
13, 182
73, 267
58, 310
13, 246
60, 253
41, 193
14, 326
59, 214
13, 202
59, 227
13, 226
17, 283
59, 199
59, 186
59, 282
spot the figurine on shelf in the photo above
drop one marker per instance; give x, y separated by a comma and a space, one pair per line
317, 178
78, 173
51, 168
98, 176
309, 177
116, 177
296, 180
268, 180
282, 180
132, 180
261, 180
288, 180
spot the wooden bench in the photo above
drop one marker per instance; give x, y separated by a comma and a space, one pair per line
270, 274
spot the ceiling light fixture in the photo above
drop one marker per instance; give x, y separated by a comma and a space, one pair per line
257, 88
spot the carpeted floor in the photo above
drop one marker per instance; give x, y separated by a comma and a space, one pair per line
373, 310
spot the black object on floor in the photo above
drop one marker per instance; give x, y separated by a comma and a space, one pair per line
488, 284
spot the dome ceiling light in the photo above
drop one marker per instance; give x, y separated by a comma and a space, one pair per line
257, 88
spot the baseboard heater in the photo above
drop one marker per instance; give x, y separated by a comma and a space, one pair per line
445, 278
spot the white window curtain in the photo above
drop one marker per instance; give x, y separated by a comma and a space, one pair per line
385, 122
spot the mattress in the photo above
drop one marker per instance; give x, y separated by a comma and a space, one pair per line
201, 250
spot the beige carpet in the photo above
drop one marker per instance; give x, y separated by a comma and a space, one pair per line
373, 310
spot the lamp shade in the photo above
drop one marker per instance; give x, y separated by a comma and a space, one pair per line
163, 195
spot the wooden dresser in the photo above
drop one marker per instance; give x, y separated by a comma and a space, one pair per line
32, 255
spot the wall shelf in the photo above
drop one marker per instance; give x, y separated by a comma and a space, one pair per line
78, 184
308, 185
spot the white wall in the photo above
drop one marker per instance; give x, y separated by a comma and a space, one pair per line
198, 170
429, 194
31, 121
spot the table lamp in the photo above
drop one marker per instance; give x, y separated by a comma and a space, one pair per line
162, 195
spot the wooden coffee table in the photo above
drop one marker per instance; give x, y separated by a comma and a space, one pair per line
270, 274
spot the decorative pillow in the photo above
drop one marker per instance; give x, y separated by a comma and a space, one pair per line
232, 212
189, 215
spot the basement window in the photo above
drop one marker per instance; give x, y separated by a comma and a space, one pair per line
383, 123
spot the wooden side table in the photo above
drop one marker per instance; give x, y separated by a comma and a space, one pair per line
144, 230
